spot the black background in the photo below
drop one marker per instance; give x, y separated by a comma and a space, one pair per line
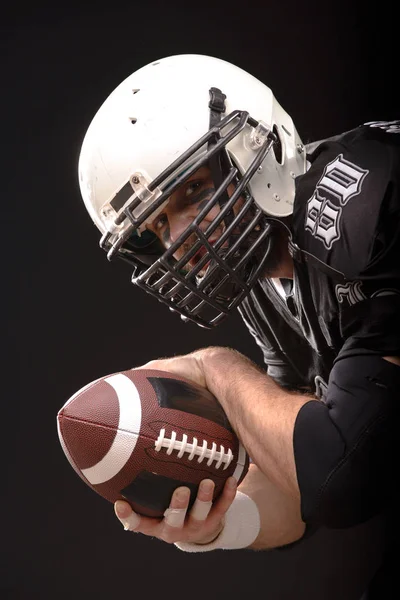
69, 316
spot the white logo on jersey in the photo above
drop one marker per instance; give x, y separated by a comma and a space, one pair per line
388, 126
350, 291
321, 219
340, 181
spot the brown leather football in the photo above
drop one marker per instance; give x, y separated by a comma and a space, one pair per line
137, 435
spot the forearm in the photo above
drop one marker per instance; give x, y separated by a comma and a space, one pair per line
262, 414
280, 518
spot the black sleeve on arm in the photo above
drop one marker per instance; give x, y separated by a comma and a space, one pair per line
343, 446
373, 325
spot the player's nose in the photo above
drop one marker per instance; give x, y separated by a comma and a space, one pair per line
179, 223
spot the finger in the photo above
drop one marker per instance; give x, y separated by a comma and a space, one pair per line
224, 501
131, 521
174, 516
152, 364
203, 503
206, 519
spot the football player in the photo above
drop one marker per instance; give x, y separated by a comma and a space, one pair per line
197, 177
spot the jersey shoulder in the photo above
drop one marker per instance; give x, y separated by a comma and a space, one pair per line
347, 206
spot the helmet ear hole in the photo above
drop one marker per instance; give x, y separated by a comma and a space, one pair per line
277, 147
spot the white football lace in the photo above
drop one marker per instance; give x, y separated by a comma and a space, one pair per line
194, 449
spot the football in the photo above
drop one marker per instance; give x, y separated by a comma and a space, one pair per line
139, 434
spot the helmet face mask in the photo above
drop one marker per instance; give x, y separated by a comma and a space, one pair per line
225, 269
212, 265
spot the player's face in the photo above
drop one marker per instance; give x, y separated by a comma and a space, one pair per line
183, 207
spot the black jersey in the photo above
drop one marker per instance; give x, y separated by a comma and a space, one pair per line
346, 248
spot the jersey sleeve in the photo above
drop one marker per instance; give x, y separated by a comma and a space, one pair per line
371, 324
352, 224
370, 313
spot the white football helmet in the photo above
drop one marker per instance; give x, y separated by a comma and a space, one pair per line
158, 127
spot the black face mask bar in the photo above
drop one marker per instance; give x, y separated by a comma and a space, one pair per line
206, 292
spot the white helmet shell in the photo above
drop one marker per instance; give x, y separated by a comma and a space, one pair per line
159, 111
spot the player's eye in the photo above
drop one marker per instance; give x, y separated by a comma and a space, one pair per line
160, 222
192, 187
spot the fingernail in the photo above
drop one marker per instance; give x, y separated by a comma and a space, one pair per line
232, 483
122, 509
182, 495
207, 486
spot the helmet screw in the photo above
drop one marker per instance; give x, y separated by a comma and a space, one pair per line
276, 197
135, 179
300, 148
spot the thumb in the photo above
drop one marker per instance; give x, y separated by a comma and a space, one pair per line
129, 519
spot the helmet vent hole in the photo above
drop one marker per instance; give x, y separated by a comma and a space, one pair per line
135, 91
133, 120
277, 147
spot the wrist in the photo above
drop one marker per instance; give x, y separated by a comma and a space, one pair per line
212, 538
241, 528
215, 362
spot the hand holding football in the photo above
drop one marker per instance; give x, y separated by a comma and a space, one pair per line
139, 434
